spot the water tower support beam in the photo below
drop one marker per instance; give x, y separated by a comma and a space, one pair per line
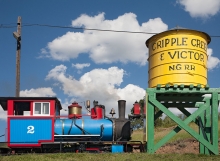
181, 97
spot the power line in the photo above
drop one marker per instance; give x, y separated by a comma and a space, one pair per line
10, 23
81, 28
5, 26
76, 28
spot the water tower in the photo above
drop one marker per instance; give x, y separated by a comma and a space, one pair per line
177, 76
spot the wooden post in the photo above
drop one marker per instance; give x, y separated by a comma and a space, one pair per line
18, 53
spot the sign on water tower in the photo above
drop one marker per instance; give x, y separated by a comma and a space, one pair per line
178, 56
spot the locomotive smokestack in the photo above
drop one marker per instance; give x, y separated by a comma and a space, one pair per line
121, 109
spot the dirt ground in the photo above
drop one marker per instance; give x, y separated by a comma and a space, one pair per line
181, 147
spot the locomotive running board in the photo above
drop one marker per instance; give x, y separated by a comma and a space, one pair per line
74, 135
63, 142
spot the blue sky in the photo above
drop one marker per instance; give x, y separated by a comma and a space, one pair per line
76, 65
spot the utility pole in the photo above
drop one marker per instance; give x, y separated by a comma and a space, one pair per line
17, 36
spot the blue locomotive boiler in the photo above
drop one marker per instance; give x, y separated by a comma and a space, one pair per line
97, 128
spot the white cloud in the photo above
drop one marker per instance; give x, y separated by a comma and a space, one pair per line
201, 8
80, 66
98, 84
105, 47
213, 62
39, 92
130, 93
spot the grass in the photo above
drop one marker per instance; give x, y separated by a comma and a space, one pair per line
137, 135
160, 132
3, 145
107, 157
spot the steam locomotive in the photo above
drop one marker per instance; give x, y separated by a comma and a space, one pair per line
34, 124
